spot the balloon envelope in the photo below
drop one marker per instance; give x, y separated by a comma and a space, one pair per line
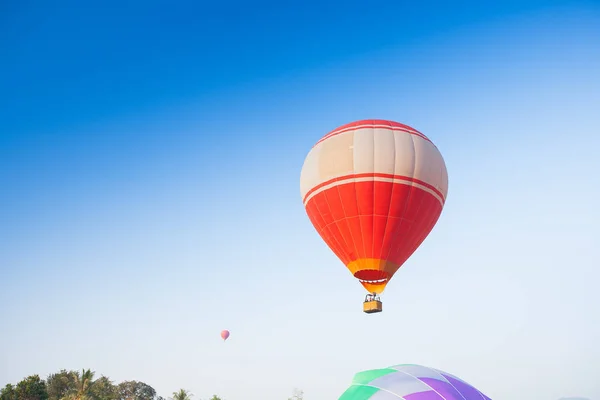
409, 382
374, 189
224, 334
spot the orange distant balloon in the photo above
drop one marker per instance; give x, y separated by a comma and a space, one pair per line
374, 189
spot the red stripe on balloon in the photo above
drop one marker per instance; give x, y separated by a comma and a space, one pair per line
374, 175
372, 123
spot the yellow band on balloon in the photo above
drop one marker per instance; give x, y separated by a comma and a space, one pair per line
365, 269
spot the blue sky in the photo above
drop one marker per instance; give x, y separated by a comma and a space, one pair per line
149, 162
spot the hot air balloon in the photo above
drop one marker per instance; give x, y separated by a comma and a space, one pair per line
374, 189
409, 382
224, 334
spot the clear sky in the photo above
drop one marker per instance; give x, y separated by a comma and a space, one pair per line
150, 156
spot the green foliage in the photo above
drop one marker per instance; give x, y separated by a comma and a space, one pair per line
80, 385
135, 390
59, 384
80, 388
83, 384
182, 394
8, 392
31, 388
103, 389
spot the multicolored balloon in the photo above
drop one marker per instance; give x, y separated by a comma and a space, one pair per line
224, 334
374, 189
409, 382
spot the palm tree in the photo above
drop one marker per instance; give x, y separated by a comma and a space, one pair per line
82, 385
182, 394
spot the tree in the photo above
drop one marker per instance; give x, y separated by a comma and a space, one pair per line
297, 394
103, 389
182, 394
215, 397
31, 388
59, 384
8, 392
82, 385
134, 390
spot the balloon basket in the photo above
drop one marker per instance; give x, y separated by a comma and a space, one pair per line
372, 306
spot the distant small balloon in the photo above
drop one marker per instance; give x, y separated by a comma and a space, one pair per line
224, 334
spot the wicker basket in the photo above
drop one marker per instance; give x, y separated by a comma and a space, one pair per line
372, 306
